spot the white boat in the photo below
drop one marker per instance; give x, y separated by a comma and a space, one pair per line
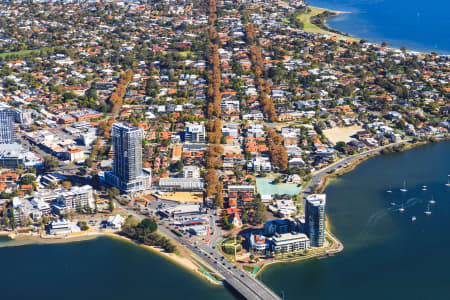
389, 191
448, 183
401, 209
413, 218
432, 200
404, 187
424, 187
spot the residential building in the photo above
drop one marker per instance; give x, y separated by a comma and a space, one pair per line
7, 116
279, 226
289, 242
76, 198
128, 174
315, 219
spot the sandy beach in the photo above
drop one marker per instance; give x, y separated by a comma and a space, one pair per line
29, 239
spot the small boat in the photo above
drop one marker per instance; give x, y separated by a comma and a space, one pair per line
424, 187
393, 203
432, 200
428, 211
404, 187
401, 209
389, 191
413, 218
448, 182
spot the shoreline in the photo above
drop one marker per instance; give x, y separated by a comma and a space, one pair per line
337, 33
184, 262
326, 179
190, 263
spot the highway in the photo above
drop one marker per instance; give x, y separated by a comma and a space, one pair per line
244, 283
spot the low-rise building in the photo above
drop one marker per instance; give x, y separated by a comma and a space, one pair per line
289, 242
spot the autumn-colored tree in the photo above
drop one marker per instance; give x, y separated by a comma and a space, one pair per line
219, 196
211, 182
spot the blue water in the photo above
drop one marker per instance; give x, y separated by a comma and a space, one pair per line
418, 25
386, 255
266, 187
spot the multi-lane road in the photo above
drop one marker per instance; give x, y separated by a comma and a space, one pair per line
207, 252
317, 175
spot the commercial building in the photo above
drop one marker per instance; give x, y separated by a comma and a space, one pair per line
315, 219
258, 242
289, 242
7, 116
14, 155
128, 174
200, 230
181, 184
195, 133
191, 172
182, 210
63, 227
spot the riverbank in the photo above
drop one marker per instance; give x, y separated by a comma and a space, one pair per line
338, 246
377, 235
183, 259
314, 22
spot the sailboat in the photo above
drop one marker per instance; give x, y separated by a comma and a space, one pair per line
428, 211
448, 183
432, 200
413, 218
401, 209
389, 190
404, 187
424, 187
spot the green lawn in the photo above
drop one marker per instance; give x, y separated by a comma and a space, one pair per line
20, 53
309, 27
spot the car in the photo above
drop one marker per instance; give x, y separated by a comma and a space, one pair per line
229, 268
242, 275
234, 267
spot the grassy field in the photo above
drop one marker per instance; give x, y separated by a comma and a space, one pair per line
20, 53
310, 27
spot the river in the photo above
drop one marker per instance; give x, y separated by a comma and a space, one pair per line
386, 255
103, 268
418, 25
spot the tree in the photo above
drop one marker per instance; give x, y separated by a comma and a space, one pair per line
111, 205
148, 225
27, 179
67, 184
50, 163
219, 197
260, 212
83, 225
